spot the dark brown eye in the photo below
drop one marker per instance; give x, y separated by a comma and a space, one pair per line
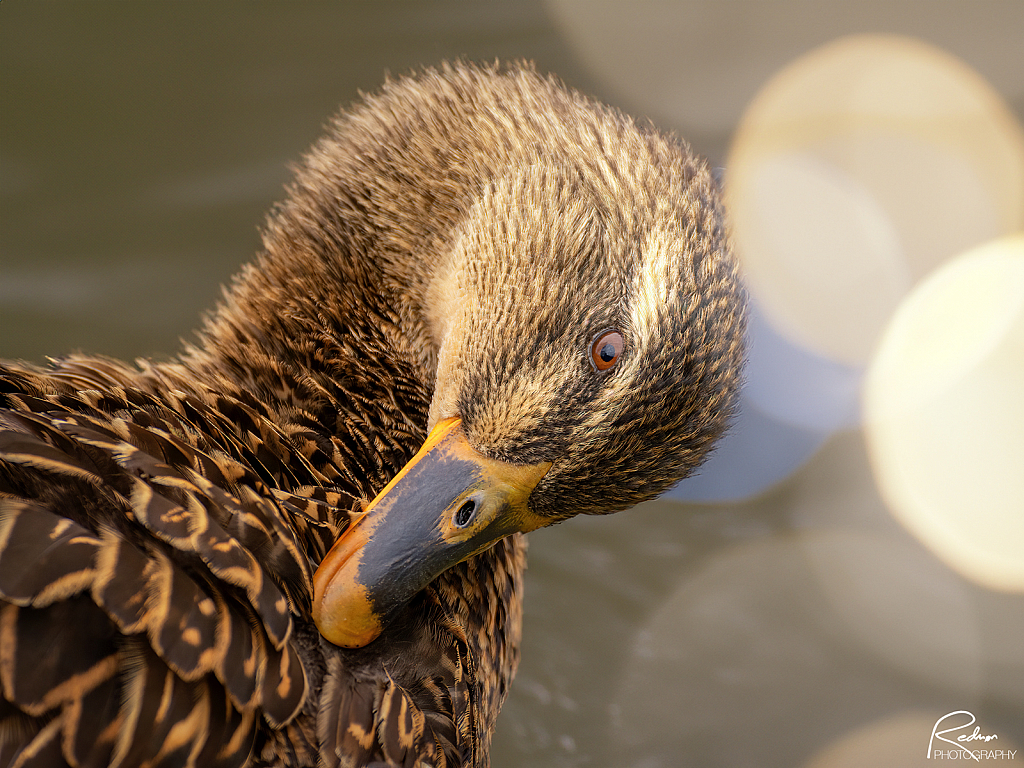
605, 351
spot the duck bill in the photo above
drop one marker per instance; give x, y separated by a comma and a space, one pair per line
444, 506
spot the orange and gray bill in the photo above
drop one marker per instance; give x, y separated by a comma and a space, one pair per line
447, 504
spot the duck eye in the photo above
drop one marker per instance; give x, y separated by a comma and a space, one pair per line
605, 350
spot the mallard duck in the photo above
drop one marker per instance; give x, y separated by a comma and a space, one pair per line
486, 305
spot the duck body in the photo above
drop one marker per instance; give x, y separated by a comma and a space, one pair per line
473, 257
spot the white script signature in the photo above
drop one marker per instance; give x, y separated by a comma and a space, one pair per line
975, 735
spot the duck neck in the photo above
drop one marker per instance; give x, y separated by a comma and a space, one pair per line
349, 262
343, 318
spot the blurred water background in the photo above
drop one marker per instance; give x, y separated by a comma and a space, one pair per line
849, 566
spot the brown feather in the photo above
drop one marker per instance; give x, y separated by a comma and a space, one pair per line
452, 245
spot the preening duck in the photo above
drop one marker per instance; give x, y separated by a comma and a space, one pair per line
486, 305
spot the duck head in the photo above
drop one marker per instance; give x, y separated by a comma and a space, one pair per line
587, 321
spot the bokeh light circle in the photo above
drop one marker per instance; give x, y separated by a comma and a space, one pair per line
944, 411
897, 601
753, 641
857, 170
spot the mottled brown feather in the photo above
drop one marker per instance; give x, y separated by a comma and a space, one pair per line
160, 524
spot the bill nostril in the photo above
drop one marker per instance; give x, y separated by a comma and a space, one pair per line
465, 514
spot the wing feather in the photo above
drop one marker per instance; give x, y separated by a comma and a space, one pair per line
156, 558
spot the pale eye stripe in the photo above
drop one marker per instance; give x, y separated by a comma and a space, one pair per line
650, 292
